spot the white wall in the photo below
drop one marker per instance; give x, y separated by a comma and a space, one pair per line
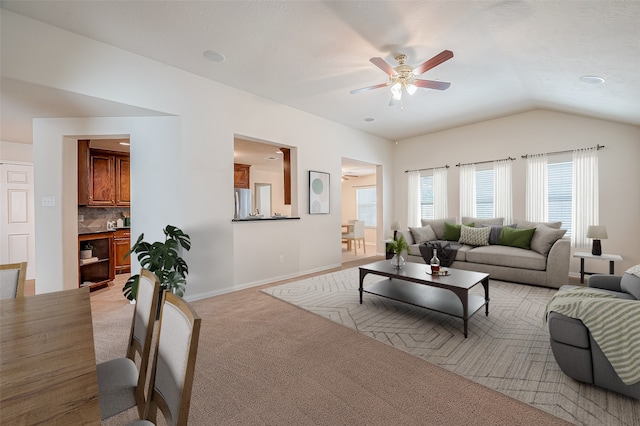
184, 166
16, 152
536, 132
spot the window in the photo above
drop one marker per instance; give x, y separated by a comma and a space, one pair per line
559, 181
366, 205
426, 197
484, 193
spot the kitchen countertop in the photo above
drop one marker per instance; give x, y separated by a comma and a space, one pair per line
86, 230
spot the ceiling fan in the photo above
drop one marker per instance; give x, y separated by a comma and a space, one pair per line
404, 76
346, 176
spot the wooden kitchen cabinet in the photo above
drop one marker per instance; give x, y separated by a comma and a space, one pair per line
241, 175
123, 192
121, 245
99, 270
103, 177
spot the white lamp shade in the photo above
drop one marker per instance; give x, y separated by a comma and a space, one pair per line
395, 226
597, 232
411, 89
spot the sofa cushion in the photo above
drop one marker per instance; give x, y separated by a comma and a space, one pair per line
422, 234
520, 238
527, 224
452, 231
438, 225
461, 255
474, 236
511, 257
478, 221
631, 284
544, 237
414, 249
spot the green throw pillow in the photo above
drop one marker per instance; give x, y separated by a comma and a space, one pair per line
516, 237
452, 232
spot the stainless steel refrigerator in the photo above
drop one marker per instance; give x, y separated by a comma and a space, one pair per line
242, 203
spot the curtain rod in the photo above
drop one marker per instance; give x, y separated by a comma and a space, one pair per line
484, 162
446, 166
598, 147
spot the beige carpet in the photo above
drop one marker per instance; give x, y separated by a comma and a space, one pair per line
265, 362
507, 351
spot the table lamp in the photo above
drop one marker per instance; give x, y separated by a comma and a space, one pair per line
395, 227
597, 233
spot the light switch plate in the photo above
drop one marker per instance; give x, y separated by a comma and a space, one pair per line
48, 201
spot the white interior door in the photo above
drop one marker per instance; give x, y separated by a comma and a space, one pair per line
17, 216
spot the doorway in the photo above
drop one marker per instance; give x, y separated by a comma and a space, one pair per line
360, 195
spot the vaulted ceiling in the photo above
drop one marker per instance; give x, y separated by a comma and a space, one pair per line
509, 56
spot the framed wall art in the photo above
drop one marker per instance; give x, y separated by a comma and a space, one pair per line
319, 189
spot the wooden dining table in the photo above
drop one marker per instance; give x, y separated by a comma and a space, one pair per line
47, 360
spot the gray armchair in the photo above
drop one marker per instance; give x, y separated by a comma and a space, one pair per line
575, 350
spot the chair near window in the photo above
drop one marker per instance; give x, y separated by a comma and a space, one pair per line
174, 362
356, 236
12, 278
121, 383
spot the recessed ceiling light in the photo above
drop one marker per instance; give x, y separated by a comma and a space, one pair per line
214, 56
591, 79
369, 119
271, 158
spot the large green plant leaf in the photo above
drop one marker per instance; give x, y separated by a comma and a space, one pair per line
163, 259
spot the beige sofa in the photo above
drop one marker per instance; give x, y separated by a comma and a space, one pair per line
544, 263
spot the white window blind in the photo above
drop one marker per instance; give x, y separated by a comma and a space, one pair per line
559, 181
484, 193
366, 205
426, 197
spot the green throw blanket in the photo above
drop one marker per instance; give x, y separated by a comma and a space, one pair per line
614, 324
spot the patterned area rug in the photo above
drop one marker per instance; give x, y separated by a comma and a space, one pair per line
507, 351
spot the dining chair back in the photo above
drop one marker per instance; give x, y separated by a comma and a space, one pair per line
12, 278
174, 362
122, 381
356, 236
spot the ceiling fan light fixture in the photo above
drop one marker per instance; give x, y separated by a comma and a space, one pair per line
592, 79
396, 91
411, 88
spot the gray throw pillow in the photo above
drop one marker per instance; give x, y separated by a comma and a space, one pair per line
420, 235
494, 236
438, 225
544, 238
630, 284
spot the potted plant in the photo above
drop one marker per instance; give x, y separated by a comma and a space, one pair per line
398, 246
163, 259
86, 251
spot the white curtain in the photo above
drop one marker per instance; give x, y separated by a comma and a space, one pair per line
413, 213
537, 191
585, 194
468, 190
503, 193
440, 207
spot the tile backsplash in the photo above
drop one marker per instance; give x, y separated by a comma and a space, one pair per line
93, 217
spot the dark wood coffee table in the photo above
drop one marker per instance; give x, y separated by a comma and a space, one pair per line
414, 285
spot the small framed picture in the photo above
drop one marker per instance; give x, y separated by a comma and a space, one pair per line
319, 190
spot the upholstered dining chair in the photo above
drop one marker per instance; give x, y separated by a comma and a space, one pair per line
12, 278
356, 236
121, 383
174, 362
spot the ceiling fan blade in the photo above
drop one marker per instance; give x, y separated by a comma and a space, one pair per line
430, 84
445, 55
384, 66
364, 89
